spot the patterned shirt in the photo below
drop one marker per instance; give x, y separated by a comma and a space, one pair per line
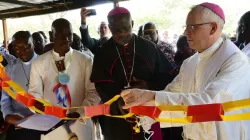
167, 49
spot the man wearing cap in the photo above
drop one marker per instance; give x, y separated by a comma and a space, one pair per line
217, 73
131, 62
151, 33
91, 43
243, 32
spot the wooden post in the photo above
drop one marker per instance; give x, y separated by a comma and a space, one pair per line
116, 4
5, 33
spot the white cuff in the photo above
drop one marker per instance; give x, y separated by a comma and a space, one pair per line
161, 98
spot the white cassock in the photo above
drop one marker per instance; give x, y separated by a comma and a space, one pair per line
246, 50
44, 77
219, 74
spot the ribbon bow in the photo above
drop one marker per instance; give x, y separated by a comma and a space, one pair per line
58, 96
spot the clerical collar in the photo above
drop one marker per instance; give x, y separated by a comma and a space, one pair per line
211, 50
58, 57
29, 62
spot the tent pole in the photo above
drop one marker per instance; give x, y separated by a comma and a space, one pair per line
116, 4
5, 33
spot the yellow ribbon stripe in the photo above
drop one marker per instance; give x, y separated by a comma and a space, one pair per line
173, 108
15, 86
175, 120
1, 58
9, 92
36, 110
236, 117
236, 105
227, 106
43, 102
115, 98
120, 116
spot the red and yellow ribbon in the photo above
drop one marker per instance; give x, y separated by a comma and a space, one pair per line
194, 114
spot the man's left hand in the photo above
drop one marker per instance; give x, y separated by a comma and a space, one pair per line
135, 97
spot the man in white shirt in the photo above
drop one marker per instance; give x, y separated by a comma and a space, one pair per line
61, 77
243, 32
218, 72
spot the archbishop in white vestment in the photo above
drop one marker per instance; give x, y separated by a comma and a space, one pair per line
219, 73
223, 77
44, 77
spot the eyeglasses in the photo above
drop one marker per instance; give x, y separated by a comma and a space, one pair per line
20, 48
192, 27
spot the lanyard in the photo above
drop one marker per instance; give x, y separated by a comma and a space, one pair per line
56, 90
68, 62
128, 80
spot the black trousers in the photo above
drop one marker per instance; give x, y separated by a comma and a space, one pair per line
23, 134
173, 133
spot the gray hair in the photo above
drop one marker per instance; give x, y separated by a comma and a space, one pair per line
209, 16
103, 22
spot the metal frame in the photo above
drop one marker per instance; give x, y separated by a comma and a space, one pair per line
23, 3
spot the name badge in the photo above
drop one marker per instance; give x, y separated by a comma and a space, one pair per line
63, 78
